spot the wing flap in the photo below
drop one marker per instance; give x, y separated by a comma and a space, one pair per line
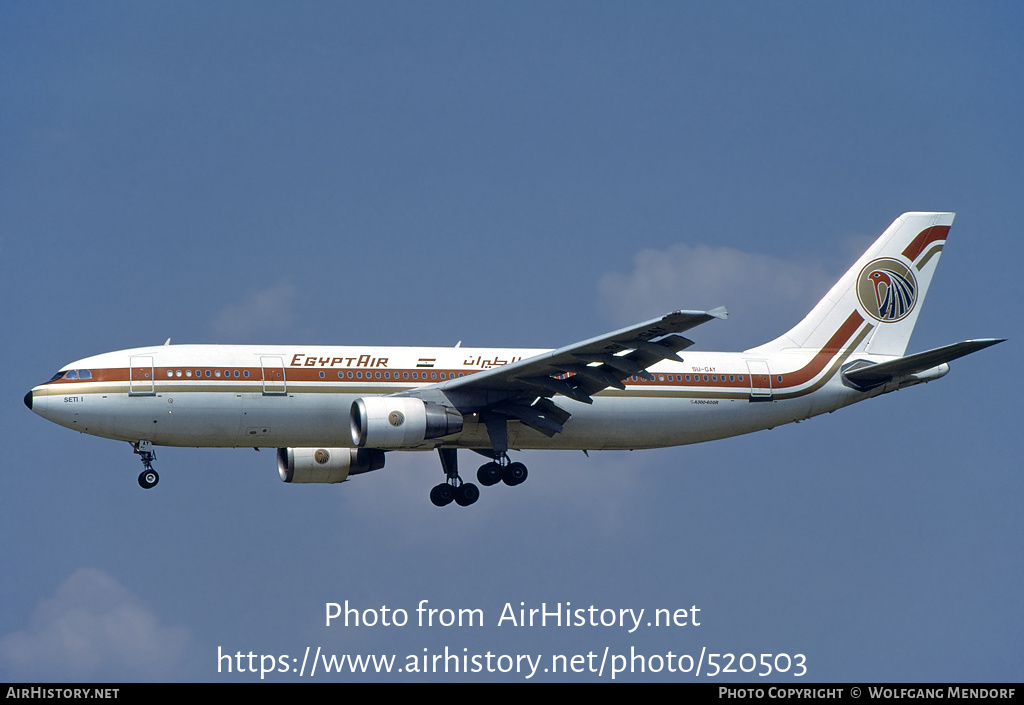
532, 416
521, 390
623, 352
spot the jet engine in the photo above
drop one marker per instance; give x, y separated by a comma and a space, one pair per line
327, 465
401, 422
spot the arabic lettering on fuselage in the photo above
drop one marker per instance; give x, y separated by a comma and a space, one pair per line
484, 364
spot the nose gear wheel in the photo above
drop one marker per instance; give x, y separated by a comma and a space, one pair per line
148, 477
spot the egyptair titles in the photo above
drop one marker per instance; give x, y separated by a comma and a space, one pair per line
367, 360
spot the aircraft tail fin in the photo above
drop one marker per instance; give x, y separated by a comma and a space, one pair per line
874, 306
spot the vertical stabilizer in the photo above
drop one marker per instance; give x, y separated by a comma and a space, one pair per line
874, 306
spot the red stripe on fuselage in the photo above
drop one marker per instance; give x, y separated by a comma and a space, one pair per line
836, 343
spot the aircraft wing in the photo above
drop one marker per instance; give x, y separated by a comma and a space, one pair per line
522, 389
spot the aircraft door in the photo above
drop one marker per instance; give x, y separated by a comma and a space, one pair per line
274, 382
141, 380
760, 380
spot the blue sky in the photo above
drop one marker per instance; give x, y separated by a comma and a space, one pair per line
526, 174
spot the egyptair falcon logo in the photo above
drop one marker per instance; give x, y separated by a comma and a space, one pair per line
887, 289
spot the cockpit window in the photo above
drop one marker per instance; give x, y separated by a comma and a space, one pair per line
72, 375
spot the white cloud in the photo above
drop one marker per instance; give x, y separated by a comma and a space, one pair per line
93, 627
261, 313
765, 295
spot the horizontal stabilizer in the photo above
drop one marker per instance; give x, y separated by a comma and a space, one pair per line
872, 375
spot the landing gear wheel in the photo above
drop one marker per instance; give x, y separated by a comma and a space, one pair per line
466, 494
148, 479
453, 488
489, 474
514, 474
442, 494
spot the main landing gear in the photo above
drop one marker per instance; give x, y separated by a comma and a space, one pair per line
502, 470
453, 488
148, 477
466, 493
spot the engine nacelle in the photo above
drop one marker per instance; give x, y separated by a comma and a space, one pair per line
327, 465
401, 422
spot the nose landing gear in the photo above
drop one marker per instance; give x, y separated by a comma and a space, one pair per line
148, 477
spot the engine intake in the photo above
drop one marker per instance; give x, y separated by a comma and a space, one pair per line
401, 422
326, 465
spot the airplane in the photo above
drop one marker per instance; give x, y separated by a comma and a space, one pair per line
335, 412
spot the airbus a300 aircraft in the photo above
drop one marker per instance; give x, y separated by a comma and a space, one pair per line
333, 412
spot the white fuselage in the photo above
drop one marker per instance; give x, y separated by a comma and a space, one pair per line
301, 396
334, 411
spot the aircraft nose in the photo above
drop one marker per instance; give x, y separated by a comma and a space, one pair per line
28, 400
